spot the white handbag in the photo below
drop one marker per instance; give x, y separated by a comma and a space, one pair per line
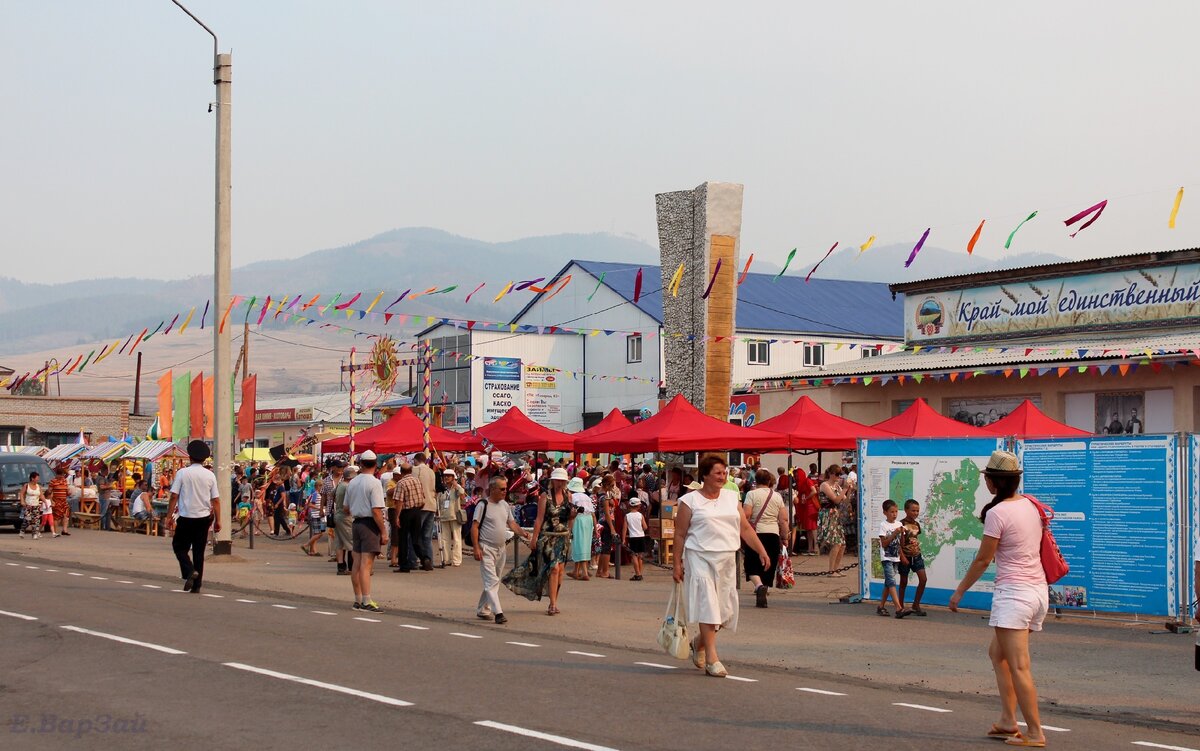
673, 635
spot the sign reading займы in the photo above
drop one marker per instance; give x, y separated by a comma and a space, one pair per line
1112, 299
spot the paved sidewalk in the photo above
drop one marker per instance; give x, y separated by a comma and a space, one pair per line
1093, 668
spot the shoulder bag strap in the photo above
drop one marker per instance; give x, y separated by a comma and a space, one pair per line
763, 510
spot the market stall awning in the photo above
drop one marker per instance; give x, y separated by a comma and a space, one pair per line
403, 433
680, 427
514, 431
33, 450
152, 451
107, 451
64, 451
262, 454
808, 427
614, 420
1027, 421
922, 421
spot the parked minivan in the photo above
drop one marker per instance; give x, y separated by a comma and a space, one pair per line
14, 472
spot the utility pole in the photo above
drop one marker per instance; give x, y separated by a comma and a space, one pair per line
222, 370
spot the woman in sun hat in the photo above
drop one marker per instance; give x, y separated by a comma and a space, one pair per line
1012, 536
542, 573
582, 529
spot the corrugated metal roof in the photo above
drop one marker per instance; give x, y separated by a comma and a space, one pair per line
1064, 268
833, 307
968, 357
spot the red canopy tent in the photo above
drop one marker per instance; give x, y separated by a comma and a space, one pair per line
810, 428
922, 421
1027, 421
679, 427
403, 433
514, 431
612, 421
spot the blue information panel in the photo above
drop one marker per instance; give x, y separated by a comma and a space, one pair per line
1193, 516
1115, 502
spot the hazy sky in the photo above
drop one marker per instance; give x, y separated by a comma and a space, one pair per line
504, 120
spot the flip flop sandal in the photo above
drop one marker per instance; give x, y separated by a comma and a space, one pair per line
1000, 733
1023, 742
922, 613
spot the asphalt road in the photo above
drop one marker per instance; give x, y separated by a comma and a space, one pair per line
168, 669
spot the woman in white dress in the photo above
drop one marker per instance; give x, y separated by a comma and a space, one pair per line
709, 529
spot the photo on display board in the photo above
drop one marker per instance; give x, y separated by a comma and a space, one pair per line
1121, 413
981, 412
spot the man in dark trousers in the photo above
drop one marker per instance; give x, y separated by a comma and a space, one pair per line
195, 495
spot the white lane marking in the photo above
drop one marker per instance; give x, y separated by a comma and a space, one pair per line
12, 564
521, 644
33, 567
318, 684
18, 615
51, 571
583, 654
151, 586
1159, 745
655, 665
123, 640
318, 612
743, 680
72, 573
560, 740
414, 628
206, 594
251, 601
822, 692
122, 581
100, 578
1051, 728
465, 636
368, 620
177, 590
284, 607
921, 706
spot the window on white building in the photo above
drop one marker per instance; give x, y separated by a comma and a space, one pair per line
633, 348
814, 355
872, 351
758, 352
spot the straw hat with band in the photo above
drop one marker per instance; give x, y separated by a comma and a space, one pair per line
1003, 464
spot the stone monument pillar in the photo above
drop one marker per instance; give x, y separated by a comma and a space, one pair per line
700, 228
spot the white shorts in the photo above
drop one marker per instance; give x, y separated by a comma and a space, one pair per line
1019, 606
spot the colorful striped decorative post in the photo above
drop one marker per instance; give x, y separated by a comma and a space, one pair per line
352, 401
426, 391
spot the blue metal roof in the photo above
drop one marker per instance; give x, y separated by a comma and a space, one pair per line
834, 307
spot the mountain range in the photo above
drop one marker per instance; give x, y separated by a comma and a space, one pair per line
43, 320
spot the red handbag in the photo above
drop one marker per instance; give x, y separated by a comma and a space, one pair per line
1053, 562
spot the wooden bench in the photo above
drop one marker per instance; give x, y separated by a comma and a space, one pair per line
84, 521
131, 524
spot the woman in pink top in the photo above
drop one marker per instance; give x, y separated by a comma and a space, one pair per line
1012, 536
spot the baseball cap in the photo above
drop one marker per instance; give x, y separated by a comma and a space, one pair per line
367, 456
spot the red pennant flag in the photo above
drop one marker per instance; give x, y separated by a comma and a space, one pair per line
245, 416
197, 407
637, 286
349, 302
975, 237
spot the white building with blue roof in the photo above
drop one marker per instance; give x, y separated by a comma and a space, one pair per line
590, 347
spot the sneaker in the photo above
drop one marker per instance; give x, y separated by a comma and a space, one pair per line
21, 536
500, 619
358, 605
37, 535
371, 606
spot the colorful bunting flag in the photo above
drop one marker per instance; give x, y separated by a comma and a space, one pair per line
786, 263
1096, 211
745, 270
637, 286
481, 286
711, 282
599, 282
1175, 209
865, 246
917, 248
676, 278
975, 237
1011, 235
814, 268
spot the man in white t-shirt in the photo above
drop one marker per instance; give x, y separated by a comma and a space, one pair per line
364, 502
197, 501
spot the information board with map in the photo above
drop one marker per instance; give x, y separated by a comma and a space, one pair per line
946, 477
1115, 501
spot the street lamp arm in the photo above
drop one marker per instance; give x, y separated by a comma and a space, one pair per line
202, 25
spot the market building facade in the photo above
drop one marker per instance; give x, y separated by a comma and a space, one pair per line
1109, 345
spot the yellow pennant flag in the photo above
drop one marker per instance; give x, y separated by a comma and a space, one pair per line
1175, 208
676, 278
187, 320
870, 241
504, 292
375, 301
109, 352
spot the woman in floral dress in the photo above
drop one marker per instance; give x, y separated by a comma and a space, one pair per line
550, 546
829, 520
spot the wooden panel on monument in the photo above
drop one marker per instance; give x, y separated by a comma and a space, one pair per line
718, 354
